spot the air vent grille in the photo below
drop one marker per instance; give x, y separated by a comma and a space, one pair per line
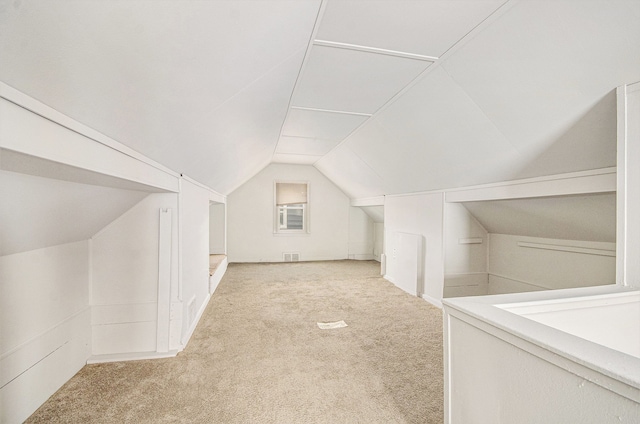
291, 257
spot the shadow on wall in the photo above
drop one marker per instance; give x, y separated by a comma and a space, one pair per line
589, 144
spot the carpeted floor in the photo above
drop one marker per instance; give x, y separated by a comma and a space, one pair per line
258, 356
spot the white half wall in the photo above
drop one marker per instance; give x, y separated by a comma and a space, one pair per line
125, 276
420, 214
519, 263
194, 254
45, 325
250, 231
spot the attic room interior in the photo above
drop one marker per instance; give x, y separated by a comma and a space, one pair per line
470, 165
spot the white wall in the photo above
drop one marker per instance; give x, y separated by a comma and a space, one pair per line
514, 268
194, 242
217, 229
361, 235
45, 324
420, 214
250, 208
378, 240
465, 241
125, 275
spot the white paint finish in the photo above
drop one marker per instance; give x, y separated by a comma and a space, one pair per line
30, 134
467, 284
43, 212
548, 269
304, 146
241, 136
427, 28
503, 285
462, 258
194, 252
490, 380
352, 81
40, 367
423, 215
628, 231
581, 217
217, 229
163, 305
583, 182
36, 297
609, 320
295, 159
376, 213
125, 254
378, 241
361, 234
124, 313
408, 258
502, 366
214, 280
126, 337
349, 172
320, 124
368, 201
31, 165
171, 66
544, 72
44, 324
130, 295
251, 216
32, 105
432, 137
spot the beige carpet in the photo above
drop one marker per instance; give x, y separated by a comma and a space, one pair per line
258, 356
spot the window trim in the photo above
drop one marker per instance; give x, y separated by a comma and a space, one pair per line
306, 227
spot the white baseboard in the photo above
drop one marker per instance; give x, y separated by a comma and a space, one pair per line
215, 279
432, 300
131, 356
187, 337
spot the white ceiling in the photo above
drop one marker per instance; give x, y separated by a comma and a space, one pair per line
383, 97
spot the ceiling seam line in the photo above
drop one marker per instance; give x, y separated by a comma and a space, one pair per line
342, 112
375, 50
499, 11
305, 59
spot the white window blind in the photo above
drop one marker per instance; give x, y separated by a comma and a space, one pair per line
291, 194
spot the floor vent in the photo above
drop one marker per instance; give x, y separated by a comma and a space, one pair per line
291, 257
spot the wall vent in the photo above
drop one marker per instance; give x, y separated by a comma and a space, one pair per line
291, 257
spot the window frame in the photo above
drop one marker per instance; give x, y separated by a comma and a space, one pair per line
306, 227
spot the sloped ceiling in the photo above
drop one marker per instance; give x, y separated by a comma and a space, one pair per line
383, 97
582, 217
46, 212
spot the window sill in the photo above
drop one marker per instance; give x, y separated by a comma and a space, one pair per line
291, 234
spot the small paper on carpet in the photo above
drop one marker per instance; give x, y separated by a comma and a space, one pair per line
331, 325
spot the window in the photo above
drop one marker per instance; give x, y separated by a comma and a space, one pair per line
291, 207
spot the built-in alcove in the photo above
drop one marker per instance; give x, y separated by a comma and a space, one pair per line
376, 214
217, 243
528, 244
79, 272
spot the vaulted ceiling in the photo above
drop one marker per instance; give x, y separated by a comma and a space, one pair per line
382, 96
